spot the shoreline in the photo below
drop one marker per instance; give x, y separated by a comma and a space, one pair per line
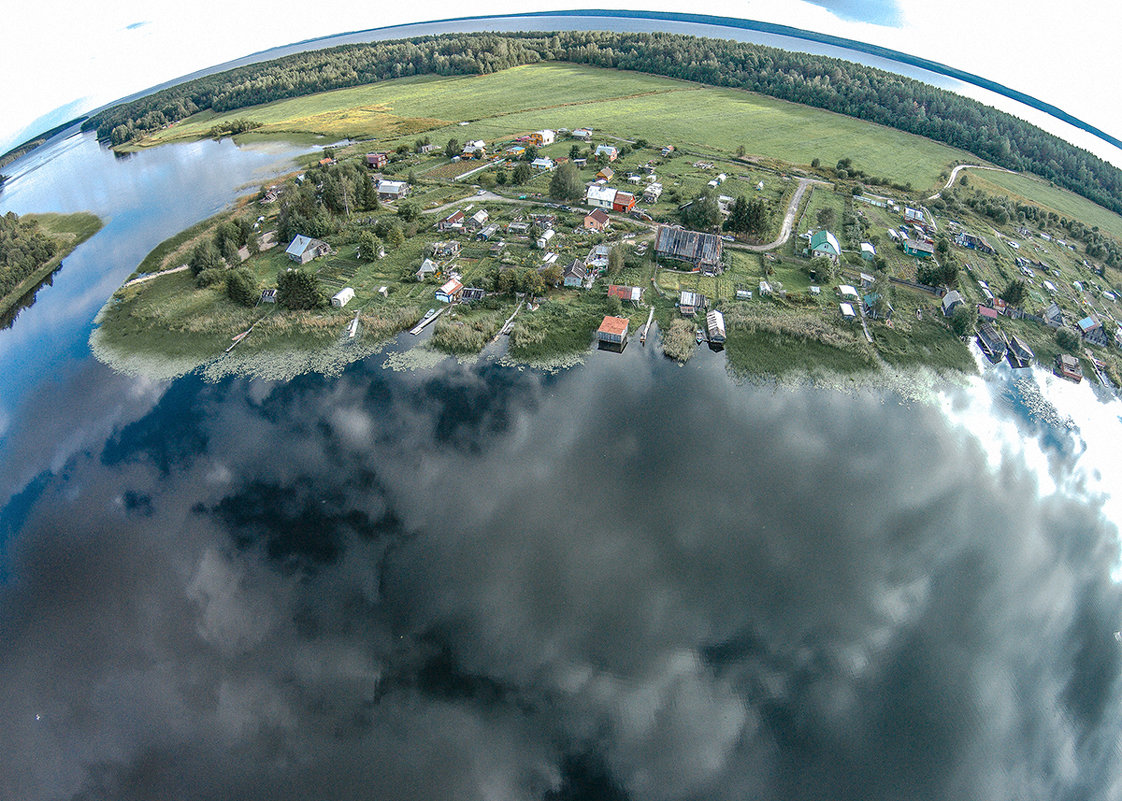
69, 241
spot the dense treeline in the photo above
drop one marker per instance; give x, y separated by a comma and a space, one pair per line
23, 250
833, 84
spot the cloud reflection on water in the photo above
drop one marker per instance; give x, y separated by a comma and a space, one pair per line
627, 579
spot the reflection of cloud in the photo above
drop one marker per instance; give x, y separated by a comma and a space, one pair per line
630, 578
135, 25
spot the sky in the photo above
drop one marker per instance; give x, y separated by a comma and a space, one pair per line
81, 56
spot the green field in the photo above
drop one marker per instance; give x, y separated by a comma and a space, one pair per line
569, 96
1039, 191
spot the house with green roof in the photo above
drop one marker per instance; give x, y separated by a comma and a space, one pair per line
823, 243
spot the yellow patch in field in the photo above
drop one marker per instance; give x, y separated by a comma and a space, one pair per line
368, 120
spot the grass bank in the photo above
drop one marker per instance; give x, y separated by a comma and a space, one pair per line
69, 230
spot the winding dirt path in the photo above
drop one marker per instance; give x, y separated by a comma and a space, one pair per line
955, 171
788, 219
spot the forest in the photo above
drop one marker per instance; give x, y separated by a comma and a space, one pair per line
23, 250
819, 81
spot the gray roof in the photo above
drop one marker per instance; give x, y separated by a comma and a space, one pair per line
692, 246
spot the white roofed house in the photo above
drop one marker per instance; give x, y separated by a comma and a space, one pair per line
951, 301
428, 267
652, 193
392, 190
542, 164
868, 252
475, 149
600, 197
477, 220
607, 150
690, 303
303, 249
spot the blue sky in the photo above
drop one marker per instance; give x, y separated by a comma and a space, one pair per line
83, 55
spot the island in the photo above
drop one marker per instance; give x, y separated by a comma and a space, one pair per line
32, 248
539, 200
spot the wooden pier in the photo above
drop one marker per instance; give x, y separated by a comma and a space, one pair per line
646, 328
421, 326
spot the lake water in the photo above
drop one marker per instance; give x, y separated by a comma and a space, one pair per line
626, 580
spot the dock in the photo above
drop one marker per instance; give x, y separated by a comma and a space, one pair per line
425, 322
509, 324
646, 328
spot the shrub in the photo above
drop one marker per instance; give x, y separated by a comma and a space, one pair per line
299, 289
241, 287
1067, 339
210, 278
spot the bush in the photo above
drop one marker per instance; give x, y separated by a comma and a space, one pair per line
679, 342
1067, 339
210, 278
299, 289
963, 320
205, 257
241, 287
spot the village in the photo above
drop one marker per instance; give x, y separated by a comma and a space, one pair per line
477, 242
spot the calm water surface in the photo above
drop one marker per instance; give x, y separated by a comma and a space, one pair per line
628, 580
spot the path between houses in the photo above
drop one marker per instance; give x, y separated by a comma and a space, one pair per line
955, 171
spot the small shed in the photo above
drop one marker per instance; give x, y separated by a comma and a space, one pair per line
868, 252
847, 311
342, 297
542, 164
605, 174
543, 240
848, 292
428, 267
632, 294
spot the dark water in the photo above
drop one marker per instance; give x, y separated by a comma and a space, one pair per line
628, 580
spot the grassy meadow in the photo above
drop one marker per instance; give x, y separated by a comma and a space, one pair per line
629, 104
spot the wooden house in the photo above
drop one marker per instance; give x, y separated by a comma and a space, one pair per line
701, 250
376, 161
452, 222
715, 327
574, 274
991, 342
1067, 366
597, 220
303, 249
450, 291
623, 202
607, 150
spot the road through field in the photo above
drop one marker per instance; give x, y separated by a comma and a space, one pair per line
954, 174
